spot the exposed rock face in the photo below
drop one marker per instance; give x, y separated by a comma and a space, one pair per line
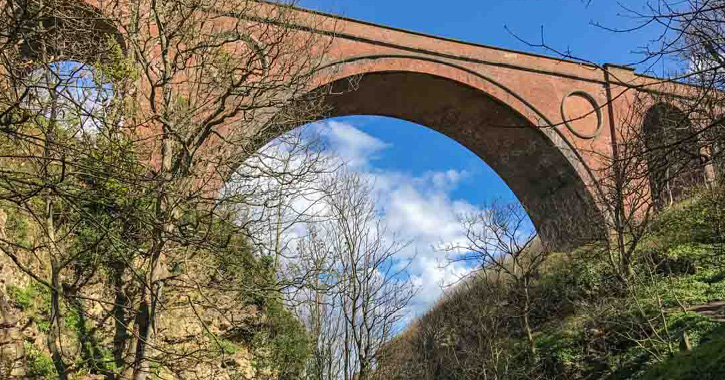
12, 350
217, 324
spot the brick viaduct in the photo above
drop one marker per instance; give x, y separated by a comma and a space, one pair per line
541, 123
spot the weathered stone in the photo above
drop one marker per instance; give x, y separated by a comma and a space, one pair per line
3, 223
685, 344
12, 350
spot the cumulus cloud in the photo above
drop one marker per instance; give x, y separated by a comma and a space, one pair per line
427, 217
431, 276
418, 209
355, 147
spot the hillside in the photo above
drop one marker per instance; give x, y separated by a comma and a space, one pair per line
667, 322
219, 317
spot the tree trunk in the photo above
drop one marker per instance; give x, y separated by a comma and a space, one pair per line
55, 319
120, 336
56, 323
525, 317
143, 324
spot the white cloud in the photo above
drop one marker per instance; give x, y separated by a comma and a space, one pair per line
418, 209
422, 212
431, 275
354, 147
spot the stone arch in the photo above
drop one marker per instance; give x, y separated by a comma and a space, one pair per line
543, 171
673, 154
67, 30
45, 36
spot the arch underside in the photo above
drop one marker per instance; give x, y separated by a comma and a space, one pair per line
70, 30
537, 171
671, 171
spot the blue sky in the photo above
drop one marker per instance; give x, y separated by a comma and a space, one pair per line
424, 179
566, 24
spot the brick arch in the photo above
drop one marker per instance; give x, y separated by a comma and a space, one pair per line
543, 170
672, 169
346, 71
87, 36
545, 96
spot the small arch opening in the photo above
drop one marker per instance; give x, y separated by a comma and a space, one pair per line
72, 94
675, 162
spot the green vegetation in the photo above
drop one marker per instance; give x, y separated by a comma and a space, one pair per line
679, 265
39, 364
228, 277
705, 362
289, 344
587, 323
33, 299
274, 335
214, 272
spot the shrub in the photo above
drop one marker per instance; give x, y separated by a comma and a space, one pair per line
34, 298
39, 364
705, 362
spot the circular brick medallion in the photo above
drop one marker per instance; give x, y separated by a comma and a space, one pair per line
585, 107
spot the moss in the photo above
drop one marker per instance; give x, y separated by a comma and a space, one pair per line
17, 226
34, 298
561, 351
22, 298
705, 362
227, 347
43, 326
284, 346
39, 364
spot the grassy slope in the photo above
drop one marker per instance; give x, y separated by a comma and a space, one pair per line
705, 362
690, 271
589, 327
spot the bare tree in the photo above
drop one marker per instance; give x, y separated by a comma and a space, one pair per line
651, 166
118, 172
321, 307
501, 240
362, 296
208, 76
466, 335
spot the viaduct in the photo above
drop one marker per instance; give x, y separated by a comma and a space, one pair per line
542, 123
